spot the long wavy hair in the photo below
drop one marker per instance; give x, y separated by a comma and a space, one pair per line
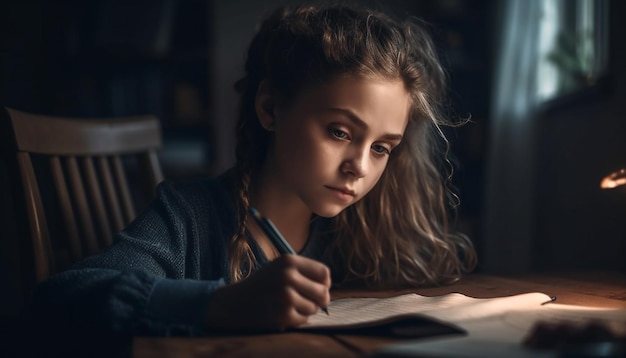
399, 233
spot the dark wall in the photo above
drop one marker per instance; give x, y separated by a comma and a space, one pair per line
114, 58
581, 139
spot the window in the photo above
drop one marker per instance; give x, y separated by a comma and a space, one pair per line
573, 46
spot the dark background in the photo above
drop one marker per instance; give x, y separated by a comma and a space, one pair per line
179, 59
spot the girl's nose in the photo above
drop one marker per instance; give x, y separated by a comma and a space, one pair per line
357, 163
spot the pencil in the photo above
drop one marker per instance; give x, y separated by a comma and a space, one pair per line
552, 299
275, 236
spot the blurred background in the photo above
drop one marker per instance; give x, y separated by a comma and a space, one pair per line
542, 80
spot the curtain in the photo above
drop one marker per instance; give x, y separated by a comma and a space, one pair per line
508, 225
546, 49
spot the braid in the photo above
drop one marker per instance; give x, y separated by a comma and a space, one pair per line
252, 143
240, 251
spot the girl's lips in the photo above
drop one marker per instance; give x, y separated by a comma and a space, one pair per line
343, 193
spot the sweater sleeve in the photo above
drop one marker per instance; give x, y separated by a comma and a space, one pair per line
147, 283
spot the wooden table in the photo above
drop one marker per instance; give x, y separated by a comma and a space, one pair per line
599, 289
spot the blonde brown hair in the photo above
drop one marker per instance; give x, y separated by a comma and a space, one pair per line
399, 234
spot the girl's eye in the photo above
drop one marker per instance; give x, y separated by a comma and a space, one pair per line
379, 149
338, 133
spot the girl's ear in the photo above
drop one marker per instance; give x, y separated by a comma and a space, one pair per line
265, 106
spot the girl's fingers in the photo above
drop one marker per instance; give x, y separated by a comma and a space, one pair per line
311, 269
303, 306
313, 291
310, 278
291, 309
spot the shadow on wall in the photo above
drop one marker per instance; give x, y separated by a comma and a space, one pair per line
579, 225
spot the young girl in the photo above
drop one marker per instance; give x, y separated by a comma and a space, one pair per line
339, 145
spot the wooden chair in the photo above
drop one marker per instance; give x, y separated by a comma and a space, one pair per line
72, 178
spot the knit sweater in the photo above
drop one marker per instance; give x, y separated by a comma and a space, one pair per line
158, 276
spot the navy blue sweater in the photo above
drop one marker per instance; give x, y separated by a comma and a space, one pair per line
158, 276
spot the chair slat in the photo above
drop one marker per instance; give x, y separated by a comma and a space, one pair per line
102, 218
120, 177
42, 249
110, 193
78, 190
155, 169
60, 185
149, 163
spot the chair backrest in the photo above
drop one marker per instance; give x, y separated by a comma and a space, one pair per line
73, 174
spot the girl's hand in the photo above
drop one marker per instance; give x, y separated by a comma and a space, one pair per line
280, 295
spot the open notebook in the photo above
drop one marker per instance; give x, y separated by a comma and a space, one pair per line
412, 315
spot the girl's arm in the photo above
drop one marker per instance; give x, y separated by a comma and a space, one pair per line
151, 281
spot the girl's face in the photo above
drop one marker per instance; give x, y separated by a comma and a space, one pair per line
332, 142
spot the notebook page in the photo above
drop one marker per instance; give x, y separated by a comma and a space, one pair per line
451, 307
479, 308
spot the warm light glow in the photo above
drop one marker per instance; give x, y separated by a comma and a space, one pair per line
614, 180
